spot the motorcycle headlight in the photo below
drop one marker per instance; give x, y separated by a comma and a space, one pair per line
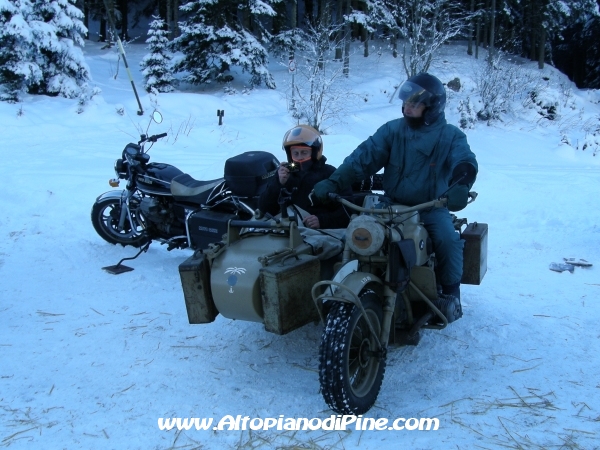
120, 168
365, 235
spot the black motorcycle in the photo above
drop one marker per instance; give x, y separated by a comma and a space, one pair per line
162, 203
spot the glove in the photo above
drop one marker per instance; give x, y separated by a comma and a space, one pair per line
465, 170
458, 197
322, 188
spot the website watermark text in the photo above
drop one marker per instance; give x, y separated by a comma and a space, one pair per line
337, 423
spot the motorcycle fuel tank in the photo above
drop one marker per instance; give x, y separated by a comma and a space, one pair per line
157, 178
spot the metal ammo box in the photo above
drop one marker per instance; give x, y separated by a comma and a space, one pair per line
195, 281
285, 291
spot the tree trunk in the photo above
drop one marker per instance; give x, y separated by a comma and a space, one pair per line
169, 21
102, 30
245, 13
106, 33
533, 31
339, 20
162, 9
324, 13
470, 40
346, 69
294, 15
309, 10
293, 25
123, 8
176, 31
542, 49
85, 8
486, 23
492, 31
477, 37
532, 38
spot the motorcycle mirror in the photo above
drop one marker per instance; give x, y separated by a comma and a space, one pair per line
157, 117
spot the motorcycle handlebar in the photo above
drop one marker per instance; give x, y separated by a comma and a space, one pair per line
250, 224
153, 138
431, 204
156, 137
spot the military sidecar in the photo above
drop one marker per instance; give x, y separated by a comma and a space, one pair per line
372, 285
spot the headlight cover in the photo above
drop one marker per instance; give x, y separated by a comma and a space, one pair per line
365, 235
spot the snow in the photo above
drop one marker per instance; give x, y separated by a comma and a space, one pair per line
92, 360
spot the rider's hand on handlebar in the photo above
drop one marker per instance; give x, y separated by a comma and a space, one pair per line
323, 188
458, 197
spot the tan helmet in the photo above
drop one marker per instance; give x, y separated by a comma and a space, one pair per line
303, 135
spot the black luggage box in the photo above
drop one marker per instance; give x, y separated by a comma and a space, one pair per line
474, 252
207, 227
248, 173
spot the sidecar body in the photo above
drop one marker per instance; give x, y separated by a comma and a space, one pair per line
262, 272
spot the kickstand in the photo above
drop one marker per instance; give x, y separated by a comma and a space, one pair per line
118, 268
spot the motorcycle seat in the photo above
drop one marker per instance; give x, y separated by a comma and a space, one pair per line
186, 186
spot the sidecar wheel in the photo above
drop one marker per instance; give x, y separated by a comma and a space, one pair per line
105, 218
350, 367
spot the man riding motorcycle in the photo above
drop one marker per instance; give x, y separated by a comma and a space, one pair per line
422, 156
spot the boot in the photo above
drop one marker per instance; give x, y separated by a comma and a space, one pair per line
451, 289
449, 304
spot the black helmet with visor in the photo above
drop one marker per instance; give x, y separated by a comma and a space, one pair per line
427, 90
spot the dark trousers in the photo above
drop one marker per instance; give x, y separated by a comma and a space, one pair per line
447, 244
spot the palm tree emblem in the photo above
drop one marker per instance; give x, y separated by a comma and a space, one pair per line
232, 279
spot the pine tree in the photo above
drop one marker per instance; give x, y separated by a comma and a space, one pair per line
58, 32
214, 38
17, 49
156, 66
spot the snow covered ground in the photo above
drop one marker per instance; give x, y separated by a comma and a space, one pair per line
92, 360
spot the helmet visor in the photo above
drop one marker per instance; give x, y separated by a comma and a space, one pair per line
415, 94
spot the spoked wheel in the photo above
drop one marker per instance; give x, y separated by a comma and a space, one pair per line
351, 367
105, 218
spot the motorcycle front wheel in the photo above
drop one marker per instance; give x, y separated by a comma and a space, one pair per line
351, 368
105, 218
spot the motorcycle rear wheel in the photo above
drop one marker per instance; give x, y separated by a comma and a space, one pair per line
105, 218
351, 369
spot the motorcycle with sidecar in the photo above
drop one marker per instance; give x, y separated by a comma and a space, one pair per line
372, 285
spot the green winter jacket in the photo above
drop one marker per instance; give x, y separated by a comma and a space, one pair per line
418, 163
